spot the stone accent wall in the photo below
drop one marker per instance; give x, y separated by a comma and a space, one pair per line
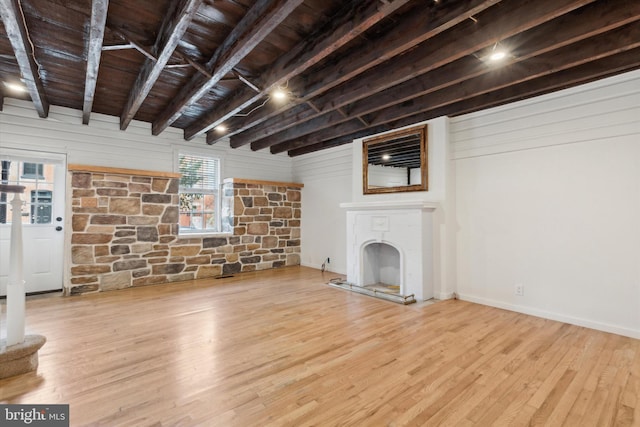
125, 231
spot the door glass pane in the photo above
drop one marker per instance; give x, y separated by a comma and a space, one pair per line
37, 198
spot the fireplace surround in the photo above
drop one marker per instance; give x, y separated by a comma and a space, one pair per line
392, 241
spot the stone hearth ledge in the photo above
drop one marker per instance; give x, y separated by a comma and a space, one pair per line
20, 358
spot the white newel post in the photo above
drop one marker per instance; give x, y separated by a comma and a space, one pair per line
18, 353
15, 284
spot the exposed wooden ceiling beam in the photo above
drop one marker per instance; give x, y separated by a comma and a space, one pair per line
337, 141
259, 21
132, 43
468, 67
418, 26
345, 128
465, 39
299, 59
18, 34
570, 56
173, 28
495, 25
322, 121
573, 56
594, 19
193, 63
601, 68
94, 50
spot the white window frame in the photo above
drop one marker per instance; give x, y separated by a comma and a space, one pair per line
216, 192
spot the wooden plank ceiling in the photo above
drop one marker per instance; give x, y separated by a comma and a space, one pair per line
349, 68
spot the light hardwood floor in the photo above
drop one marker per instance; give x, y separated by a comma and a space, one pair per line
282, 348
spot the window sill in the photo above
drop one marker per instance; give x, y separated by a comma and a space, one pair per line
205, 234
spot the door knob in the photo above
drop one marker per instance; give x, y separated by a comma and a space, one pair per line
59, 219
58, 228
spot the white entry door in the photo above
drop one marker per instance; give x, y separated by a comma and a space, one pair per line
43, 176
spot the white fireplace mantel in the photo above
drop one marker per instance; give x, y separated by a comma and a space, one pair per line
408, 227
405, 204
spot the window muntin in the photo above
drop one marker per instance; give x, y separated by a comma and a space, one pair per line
32, 170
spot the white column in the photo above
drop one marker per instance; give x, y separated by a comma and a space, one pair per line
15, 284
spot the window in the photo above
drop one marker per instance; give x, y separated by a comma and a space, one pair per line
32, 171
37, 178
199, 193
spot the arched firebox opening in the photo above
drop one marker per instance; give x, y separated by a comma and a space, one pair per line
381, 268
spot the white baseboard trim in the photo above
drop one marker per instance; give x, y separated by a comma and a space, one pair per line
600, 326
444, 295
306, 264
319, 267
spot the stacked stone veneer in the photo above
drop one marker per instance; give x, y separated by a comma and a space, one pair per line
125, 231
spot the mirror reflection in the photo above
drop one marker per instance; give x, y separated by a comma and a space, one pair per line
395, 162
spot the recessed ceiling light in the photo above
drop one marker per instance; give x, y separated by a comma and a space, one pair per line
221, 128
386, 157
498, 55
279, 94
15, 87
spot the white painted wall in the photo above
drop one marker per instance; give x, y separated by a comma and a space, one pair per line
102, 143
326, 176
334, 176
548, 196
544, 193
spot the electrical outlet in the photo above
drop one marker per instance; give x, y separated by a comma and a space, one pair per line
519, 290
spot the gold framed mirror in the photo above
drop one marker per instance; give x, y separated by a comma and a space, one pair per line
395, 162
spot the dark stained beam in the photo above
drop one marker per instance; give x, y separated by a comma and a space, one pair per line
417, 26
350, 127
297, 60
566, 30
618, 40
496, 24
173, 28
323, 121
465, 39
198, 67
573, 55
337, 141
594, 19
602, 68
257, 23
298, 114
94, 50
608, 66
17, 33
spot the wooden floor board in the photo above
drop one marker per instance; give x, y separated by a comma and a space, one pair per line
282, 348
